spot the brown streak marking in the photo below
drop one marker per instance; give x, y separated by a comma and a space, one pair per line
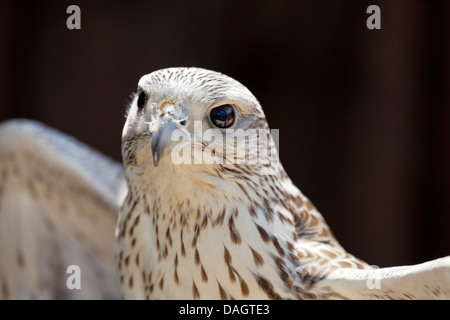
267, 287
252, 211
231, 274
269, 215
158, 246
220, 218
204, 275
235, 236
277, 246
295, 260
223, 294
204, 222
20, 262
244, 287
5, 290
197, 257
345, 264
310, 206
257, 258
227, 256
196, 234
161, 283
183, 250
298, 201
130, 282
175, 274
168, 236
195, 292
263, 233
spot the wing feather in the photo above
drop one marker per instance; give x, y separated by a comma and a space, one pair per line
429, 280
58, 207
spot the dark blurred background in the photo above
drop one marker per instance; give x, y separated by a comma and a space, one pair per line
364, 115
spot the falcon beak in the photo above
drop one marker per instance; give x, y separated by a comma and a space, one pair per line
161, 140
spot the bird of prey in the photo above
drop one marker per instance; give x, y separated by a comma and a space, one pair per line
205, 209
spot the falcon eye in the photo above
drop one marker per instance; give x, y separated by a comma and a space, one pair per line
223, 116
142, 100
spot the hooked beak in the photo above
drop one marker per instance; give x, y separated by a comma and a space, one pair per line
161, 141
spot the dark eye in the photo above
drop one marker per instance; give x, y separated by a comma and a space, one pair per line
222, 116
142, 100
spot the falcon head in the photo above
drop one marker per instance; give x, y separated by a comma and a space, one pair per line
194, 119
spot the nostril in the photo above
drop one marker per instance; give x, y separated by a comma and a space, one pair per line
183, 122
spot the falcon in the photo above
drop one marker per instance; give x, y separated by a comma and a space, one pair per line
224, 222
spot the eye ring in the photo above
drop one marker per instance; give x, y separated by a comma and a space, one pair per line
223, 116
142, 100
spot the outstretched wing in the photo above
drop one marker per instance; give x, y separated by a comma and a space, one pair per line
58, 207
429, 280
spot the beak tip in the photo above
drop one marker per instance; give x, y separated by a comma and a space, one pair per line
161, 140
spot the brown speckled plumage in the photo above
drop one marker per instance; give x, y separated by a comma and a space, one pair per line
234, 230
230, 229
